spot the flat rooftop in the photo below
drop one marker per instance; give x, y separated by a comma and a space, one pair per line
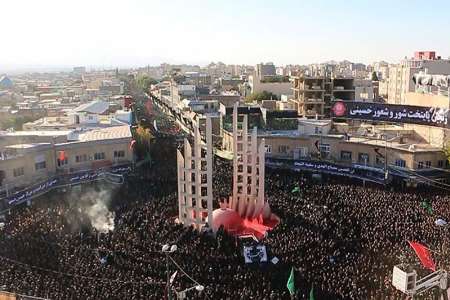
28, 146
38, 133
116, 132
409, 146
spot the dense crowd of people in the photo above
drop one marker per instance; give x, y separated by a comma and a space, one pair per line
342, 240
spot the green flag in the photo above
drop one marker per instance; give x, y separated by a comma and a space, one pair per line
311, 294
427, 207
296, 189
290, 283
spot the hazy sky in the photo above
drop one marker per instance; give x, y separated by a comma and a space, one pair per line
140, 32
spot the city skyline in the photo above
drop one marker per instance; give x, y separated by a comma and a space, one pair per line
138, 33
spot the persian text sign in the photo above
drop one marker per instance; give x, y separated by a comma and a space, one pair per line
395, 113
323, 166
68, 179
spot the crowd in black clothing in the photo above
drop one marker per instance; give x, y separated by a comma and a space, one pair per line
341, 239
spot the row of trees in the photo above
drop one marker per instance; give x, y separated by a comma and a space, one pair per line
144, 82
264, 95
15, 122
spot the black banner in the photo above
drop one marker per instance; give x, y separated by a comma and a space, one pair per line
68, 179
323, 166
354, 171
431, 116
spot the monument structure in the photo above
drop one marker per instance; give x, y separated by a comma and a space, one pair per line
246, 211
194, 170
248, 169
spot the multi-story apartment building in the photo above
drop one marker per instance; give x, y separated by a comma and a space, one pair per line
277, 85
312, 96
401, 75
198, 79
364, 90
263, 70
382, 70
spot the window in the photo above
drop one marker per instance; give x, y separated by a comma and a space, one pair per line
363, 158
302, 151
324, 150
317, 130
346, 155
283, 149
440, 163
420, 165
99, 156
268, 148
379, 160
19, 172
428, 164
118, 154
62, 162
400, 163
40, 165
81, 158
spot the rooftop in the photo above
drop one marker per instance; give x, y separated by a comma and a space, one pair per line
28, 146
38, 133
95, 107
314, 122
409, 146
106, 133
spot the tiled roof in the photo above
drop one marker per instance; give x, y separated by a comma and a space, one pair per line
95, 107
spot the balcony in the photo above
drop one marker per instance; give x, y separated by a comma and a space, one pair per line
342, 89
313, 100
309, 88
9, 156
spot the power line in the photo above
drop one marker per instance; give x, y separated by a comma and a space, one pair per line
76, 275
426, 178
436, 183
186, 274
435, 168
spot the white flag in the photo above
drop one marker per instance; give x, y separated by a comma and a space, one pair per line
172, 278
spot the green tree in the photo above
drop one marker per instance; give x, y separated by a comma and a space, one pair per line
264, 95
143, 139
15, 122
447, 151
374, 76
144, 82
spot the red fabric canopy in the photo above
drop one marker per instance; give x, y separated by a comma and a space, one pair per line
238, 226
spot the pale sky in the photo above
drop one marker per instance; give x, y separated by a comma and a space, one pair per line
141, 32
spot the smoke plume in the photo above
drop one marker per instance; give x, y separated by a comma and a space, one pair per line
95, 207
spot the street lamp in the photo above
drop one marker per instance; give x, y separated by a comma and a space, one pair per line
182, 295
167, 249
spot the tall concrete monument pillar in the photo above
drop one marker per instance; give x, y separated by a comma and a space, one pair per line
248, 169
194, 170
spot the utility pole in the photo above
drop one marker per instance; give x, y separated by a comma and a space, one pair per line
386, 173
166, 249
169, 296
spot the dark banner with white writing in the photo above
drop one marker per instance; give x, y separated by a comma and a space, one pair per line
431, 116
112, 175
323, 166
326, 167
